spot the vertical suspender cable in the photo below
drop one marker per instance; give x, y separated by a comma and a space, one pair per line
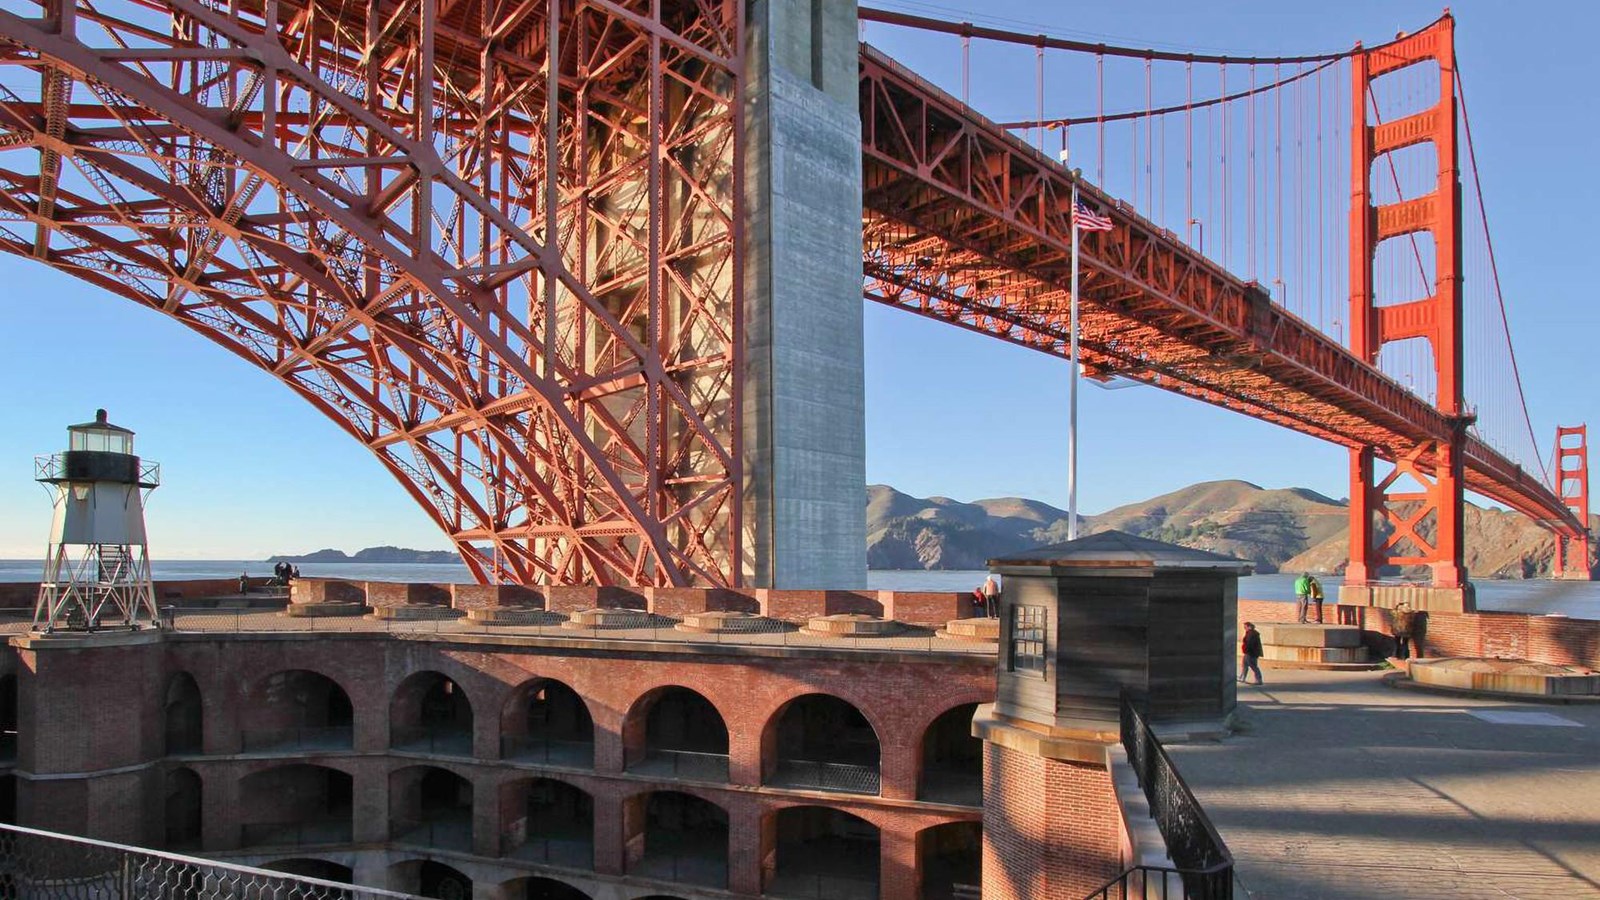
1227, 231
1250, 177
1100, 118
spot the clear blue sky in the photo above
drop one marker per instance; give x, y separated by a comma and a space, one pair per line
252, 470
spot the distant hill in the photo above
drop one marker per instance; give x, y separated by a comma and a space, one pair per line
1287, 529
373, 555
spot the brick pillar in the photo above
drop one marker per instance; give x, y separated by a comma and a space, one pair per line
370, 817
744, 847
898, 876
1051, 827
219, 808
608, 832
486, 816
897, 765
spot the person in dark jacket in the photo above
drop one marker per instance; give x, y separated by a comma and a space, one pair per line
1250, 649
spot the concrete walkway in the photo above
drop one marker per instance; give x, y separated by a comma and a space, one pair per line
1340, 787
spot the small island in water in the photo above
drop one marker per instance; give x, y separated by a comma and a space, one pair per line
372, 555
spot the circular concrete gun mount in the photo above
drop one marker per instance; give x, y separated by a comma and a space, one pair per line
1506, 677
855, 625
317, 610
730, 622
1292, 646
600, 619
512, 616
418, 613
971, 630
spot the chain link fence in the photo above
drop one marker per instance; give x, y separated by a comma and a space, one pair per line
40, 865
753, 631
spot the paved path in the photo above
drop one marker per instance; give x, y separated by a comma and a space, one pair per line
1340, 787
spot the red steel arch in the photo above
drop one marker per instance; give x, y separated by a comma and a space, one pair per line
355, 198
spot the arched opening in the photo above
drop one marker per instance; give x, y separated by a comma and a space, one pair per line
547, 821
546, 722
674, 732
8, 799
430, 807
312, 868
182, 810
819, 742
950, 858
676, 837
823, 852
430, 878
952, 760
431, 714
295, 805
297, 710
536, 888
8, 717
181, 715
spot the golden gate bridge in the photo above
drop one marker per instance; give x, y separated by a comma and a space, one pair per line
506, 244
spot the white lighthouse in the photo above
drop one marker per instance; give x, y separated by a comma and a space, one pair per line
97, 569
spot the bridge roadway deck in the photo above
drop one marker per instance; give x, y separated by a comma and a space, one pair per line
1340, 788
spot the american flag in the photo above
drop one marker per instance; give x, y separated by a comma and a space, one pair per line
1087, 219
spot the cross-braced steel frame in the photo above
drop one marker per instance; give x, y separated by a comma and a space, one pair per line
515, 281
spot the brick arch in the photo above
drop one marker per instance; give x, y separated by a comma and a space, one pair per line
405, 706
977, 696
519, 884
183, 719
636, 720
574, 725
797, 850
769, 729
256, 685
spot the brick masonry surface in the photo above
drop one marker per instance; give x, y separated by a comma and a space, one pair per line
92, 756
1548, 639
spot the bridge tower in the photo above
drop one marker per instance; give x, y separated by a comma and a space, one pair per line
1420, 500
1572, 483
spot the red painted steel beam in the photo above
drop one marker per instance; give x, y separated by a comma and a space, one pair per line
967, 224
385, 206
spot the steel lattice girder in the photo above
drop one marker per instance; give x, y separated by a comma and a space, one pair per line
967, 224
356, 198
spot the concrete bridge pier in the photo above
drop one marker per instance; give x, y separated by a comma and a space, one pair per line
804, 393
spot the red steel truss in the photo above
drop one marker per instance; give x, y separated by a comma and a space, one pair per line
968, 224
516, 283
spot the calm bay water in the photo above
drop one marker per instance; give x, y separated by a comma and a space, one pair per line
1578, 600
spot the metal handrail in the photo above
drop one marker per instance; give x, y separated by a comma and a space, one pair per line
1201, 860
297, 737
1167, 883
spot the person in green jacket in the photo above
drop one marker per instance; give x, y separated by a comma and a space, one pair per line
1302, 596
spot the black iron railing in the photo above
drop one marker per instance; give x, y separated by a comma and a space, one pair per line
1202, 867
826, 776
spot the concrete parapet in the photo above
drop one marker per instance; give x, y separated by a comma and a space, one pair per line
326, 590
925, 608
495, 596
387, 593
1416, 596
416, 612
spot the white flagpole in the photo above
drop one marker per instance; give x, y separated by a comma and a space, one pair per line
1072, 389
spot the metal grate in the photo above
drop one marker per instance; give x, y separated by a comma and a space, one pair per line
42, 865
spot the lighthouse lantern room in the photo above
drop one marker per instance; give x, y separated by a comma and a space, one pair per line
97, 567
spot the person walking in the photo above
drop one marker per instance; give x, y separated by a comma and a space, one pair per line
1250, 649
1302, 596
1404, 621
1316, 596
991, 597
